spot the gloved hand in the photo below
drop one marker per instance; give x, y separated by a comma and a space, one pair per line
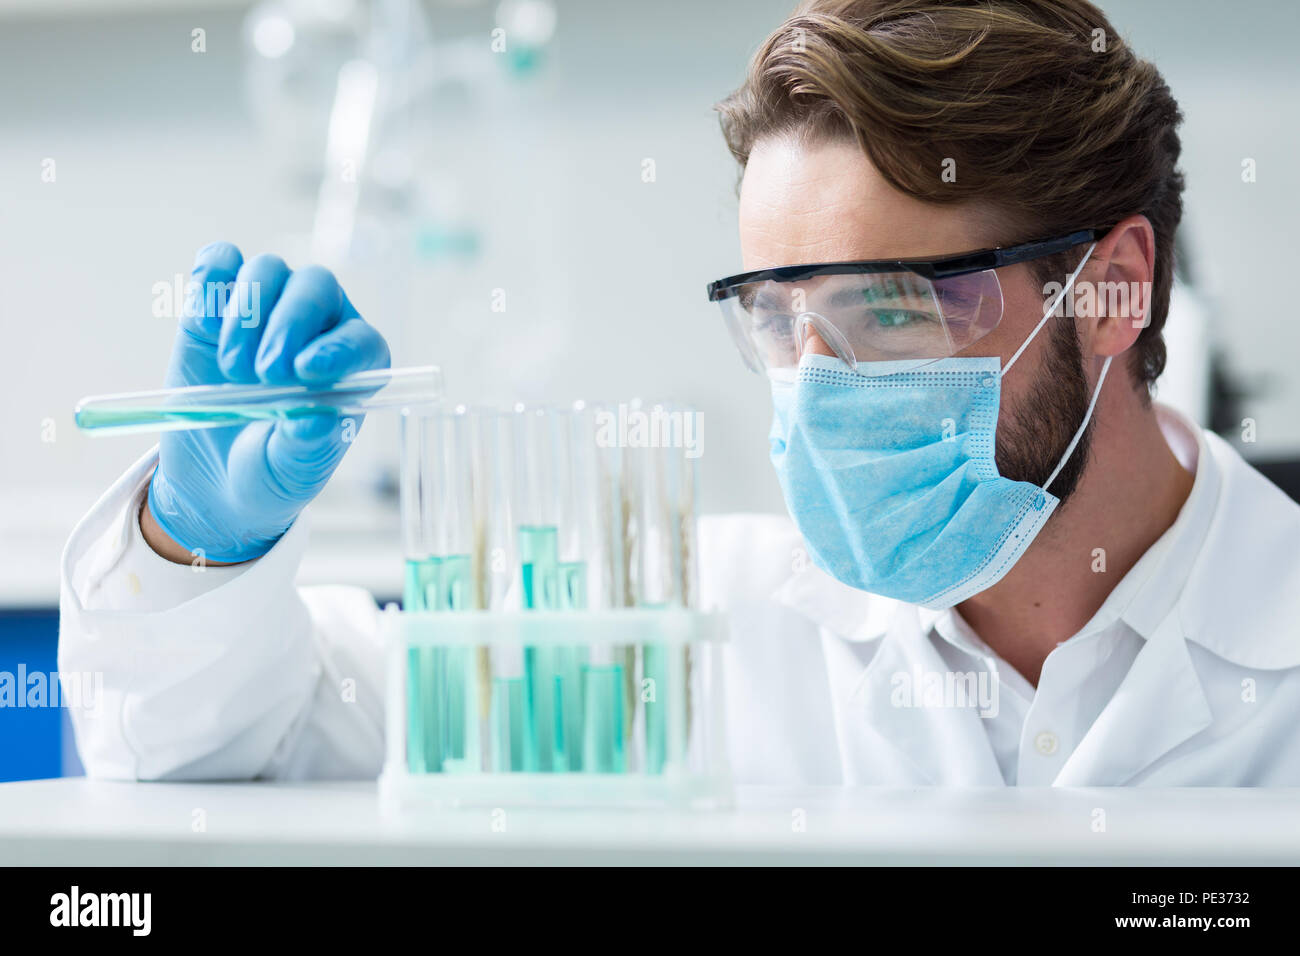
229, 493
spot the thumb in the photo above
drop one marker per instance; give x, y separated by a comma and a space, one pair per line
301, 454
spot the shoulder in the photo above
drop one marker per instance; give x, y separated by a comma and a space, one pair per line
1243, 595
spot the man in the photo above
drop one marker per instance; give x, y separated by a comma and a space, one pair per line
1023, 570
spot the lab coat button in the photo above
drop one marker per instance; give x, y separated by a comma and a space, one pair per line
1045, 743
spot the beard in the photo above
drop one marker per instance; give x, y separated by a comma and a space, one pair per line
1032, 439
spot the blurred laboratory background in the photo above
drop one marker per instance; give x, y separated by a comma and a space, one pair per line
531, 194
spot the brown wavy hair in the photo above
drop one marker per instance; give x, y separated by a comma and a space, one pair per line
1050, 117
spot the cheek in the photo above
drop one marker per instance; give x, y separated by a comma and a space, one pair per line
1023, 306
1017, 383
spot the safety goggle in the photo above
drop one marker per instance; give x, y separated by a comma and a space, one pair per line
901, 313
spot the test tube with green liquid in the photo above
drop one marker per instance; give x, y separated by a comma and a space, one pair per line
537, 512
438, 540
579, 547
497, 682
594, 507
554, 505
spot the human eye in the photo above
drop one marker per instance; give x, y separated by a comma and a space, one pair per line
766, 320
772, 325
887, 303
898, 318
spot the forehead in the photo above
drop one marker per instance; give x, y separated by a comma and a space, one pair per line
825, 202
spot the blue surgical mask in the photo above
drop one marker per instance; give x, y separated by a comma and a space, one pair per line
890, 475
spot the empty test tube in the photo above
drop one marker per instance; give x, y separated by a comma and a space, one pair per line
659, 492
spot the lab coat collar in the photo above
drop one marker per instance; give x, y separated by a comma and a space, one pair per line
1161, 693
1162, 678
1241, 599
1146, 596
1162, 682
943, 745
1229, 556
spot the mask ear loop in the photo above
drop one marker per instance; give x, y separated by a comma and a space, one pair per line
1051, 311
1096, 393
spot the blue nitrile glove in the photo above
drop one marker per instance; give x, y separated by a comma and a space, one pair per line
229, 493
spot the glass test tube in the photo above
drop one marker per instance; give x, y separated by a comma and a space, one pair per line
587, 723
608, 669
438, 536
499, 670
548, 509
659, 489
537, 469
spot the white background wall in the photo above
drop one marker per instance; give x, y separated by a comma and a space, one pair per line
157, 153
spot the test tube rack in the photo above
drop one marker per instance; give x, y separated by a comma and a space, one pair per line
590, 738
550, 649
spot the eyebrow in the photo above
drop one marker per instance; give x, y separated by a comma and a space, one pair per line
840, 298
872, 293
766, 300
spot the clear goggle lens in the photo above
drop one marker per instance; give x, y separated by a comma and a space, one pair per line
897, 319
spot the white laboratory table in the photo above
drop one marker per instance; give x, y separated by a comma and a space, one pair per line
85, 822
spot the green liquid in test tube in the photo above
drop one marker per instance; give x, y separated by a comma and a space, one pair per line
539, 565
654, 667
602, 739
569, 661
506, 725
422, 752
552, 674
436, 675
456, 595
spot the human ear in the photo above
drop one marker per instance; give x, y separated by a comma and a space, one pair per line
1113, 293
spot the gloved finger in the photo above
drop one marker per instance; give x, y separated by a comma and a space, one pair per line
311, 303
215, 267
301, 455
341, 428
354, 345
257, 288
273, 475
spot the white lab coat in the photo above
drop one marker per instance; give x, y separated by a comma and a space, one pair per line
1188, 675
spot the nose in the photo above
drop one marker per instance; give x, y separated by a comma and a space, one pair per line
819, 337
814, 343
